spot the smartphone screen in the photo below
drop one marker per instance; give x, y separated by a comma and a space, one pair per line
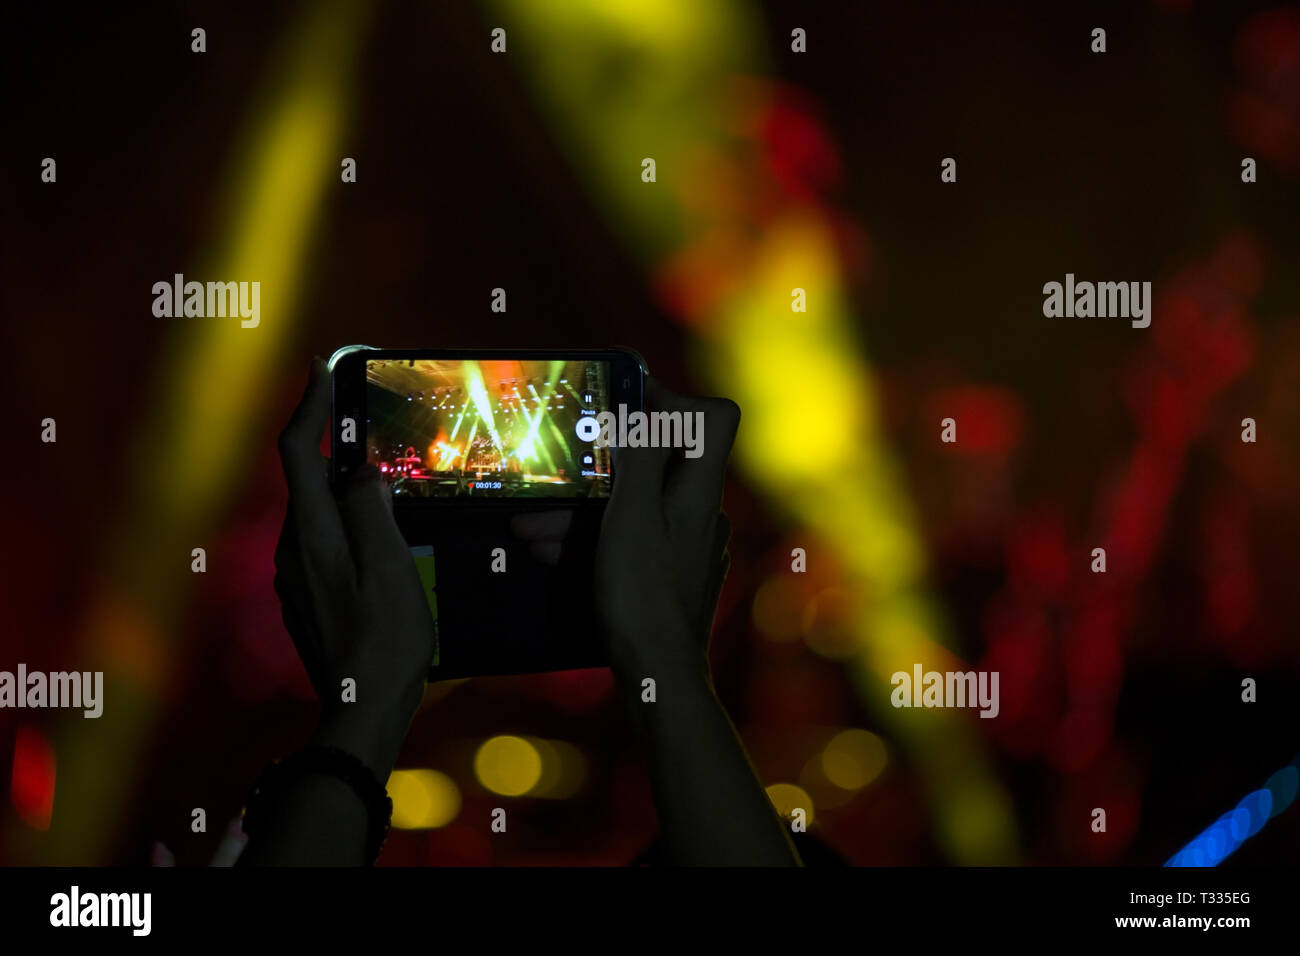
481, 429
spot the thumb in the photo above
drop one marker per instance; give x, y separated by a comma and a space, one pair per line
694, 486
637, 497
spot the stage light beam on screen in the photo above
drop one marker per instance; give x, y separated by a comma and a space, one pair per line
482, 403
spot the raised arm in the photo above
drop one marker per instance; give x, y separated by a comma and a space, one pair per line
353, 603
660, 565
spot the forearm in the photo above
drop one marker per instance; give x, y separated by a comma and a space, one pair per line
712, 809
319, 820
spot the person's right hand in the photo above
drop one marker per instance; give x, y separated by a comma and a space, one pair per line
662, 555
660, 562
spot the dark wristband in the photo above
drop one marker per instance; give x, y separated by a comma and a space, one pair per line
331, 762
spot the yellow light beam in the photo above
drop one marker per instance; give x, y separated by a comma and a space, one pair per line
672, 108
209, 409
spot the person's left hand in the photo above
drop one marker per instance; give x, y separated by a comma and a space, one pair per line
350, 594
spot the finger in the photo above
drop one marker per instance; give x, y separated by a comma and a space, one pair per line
711, 611
718, 574
542, 525
291, 586
637, 497
161, 856
232, 844
721, 534
694, 484
303, 632
366, 510
319, 532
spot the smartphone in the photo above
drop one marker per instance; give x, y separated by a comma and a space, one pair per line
466, 439
481, 427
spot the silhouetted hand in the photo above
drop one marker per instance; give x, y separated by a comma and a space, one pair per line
350, 593
660, 563
353, 603
662, 554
